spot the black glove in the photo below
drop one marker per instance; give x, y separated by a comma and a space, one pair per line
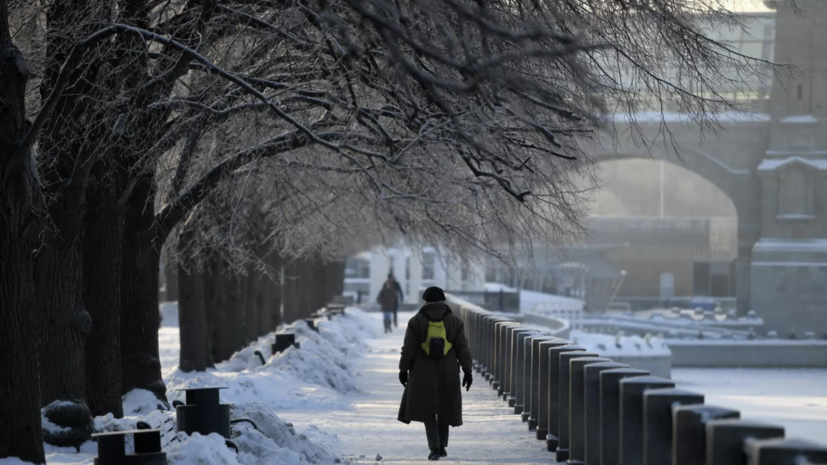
403, 377
466, 381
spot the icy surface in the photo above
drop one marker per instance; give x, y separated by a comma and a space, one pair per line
795, 399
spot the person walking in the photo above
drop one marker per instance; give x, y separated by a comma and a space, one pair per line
434, 350
398, 289
387, 300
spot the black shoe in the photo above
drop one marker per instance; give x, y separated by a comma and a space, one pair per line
443, 452
434, 455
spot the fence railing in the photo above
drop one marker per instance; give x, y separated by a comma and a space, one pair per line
591, 410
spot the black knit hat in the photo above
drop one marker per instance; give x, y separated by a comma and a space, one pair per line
433, 294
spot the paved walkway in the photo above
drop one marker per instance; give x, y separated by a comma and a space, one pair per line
491, 433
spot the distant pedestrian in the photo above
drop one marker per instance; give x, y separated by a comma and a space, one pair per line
401, 297
387, 299
435, 349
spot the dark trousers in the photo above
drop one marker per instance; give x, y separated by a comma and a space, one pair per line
437, 433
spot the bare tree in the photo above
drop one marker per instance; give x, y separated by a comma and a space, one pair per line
452, 120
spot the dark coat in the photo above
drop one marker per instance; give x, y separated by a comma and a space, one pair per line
434, 385
389, 297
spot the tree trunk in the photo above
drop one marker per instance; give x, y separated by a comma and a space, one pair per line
236, 285
271, 291
215, 298
141, 318
102, 237
290, 301
192, 321
65, 327
252, 305
171, 278
21, 433
307, 290
337, 286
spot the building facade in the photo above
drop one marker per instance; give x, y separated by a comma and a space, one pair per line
415, 268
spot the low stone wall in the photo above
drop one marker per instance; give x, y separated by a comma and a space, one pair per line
749, 354
591, 409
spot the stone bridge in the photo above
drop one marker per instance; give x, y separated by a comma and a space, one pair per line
772, 163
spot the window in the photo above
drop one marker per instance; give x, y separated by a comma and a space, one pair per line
795, 198
428, 262
357, 268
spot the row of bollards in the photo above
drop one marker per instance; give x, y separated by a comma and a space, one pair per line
203, 413
591, 410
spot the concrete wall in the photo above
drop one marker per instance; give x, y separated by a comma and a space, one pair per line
749, 354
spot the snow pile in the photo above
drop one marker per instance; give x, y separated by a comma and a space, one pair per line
312, 377
277, 439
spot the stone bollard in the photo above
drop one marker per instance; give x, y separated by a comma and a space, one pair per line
591, 377
512, 374
563, 438
688, 431
147, 446
508, 359
484, 344
657, 422
554, 401
519, 375
527, 372
784, 451
544, 385
499, 330
282, 343
632, 391
610, 412
203, 413
533, 394
500, 372
725, 439
475, 318
577, 407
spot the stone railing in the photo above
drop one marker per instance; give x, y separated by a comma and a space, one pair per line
592, 410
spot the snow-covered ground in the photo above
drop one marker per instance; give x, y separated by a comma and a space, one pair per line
317, 377
336, 399
491, 433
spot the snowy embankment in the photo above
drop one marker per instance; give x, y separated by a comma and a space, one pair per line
315, 377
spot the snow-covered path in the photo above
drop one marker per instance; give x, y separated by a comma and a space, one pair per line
490, 434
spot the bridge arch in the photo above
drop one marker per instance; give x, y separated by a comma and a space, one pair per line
742, 188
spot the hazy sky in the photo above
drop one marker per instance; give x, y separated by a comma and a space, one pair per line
748, 5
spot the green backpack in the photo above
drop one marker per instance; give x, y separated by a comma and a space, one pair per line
436, 345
